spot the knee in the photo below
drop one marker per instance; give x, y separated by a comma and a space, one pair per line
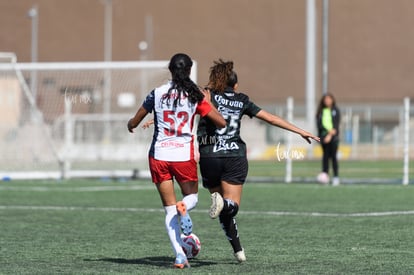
230, 208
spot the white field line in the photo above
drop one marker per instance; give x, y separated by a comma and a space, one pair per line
150, 187
60, 187
261, 213
319, 214
77, 189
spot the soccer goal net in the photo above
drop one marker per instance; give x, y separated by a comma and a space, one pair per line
69, 119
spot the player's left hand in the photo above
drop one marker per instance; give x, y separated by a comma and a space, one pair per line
130, 126
148, 124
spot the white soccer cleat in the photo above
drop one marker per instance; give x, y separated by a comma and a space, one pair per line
335, 181
217, 204
240, 256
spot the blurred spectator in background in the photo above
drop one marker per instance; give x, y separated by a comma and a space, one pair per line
328, 119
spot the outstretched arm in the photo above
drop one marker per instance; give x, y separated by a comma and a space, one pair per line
280, 122
139, 116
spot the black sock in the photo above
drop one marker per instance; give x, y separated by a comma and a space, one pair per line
229, 225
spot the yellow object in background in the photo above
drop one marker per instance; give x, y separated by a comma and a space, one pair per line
272, 152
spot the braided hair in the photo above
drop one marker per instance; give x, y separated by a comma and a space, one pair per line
180, 68
222, 76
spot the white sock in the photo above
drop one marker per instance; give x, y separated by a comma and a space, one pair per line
173, 229
191, 201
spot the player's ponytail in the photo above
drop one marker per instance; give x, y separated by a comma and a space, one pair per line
180, 68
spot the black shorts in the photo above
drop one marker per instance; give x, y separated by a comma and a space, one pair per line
230, 169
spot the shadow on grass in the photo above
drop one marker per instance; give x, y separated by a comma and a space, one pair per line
153, 261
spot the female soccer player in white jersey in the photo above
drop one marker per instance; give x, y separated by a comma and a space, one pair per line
171, 154
223, 161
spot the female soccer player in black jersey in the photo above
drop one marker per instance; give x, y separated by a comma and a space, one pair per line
223, 160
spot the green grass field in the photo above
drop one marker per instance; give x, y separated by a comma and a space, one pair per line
102, 227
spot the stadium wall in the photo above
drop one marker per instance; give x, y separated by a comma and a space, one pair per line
369, 41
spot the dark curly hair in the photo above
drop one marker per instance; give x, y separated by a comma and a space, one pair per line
180, 68
222, 76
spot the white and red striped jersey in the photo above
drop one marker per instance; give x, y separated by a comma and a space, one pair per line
173, 138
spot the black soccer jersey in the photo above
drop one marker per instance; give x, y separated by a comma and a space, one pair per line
225, 142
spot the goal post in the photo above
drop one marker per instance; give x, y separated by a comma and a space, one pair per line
75, 125
406, 150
